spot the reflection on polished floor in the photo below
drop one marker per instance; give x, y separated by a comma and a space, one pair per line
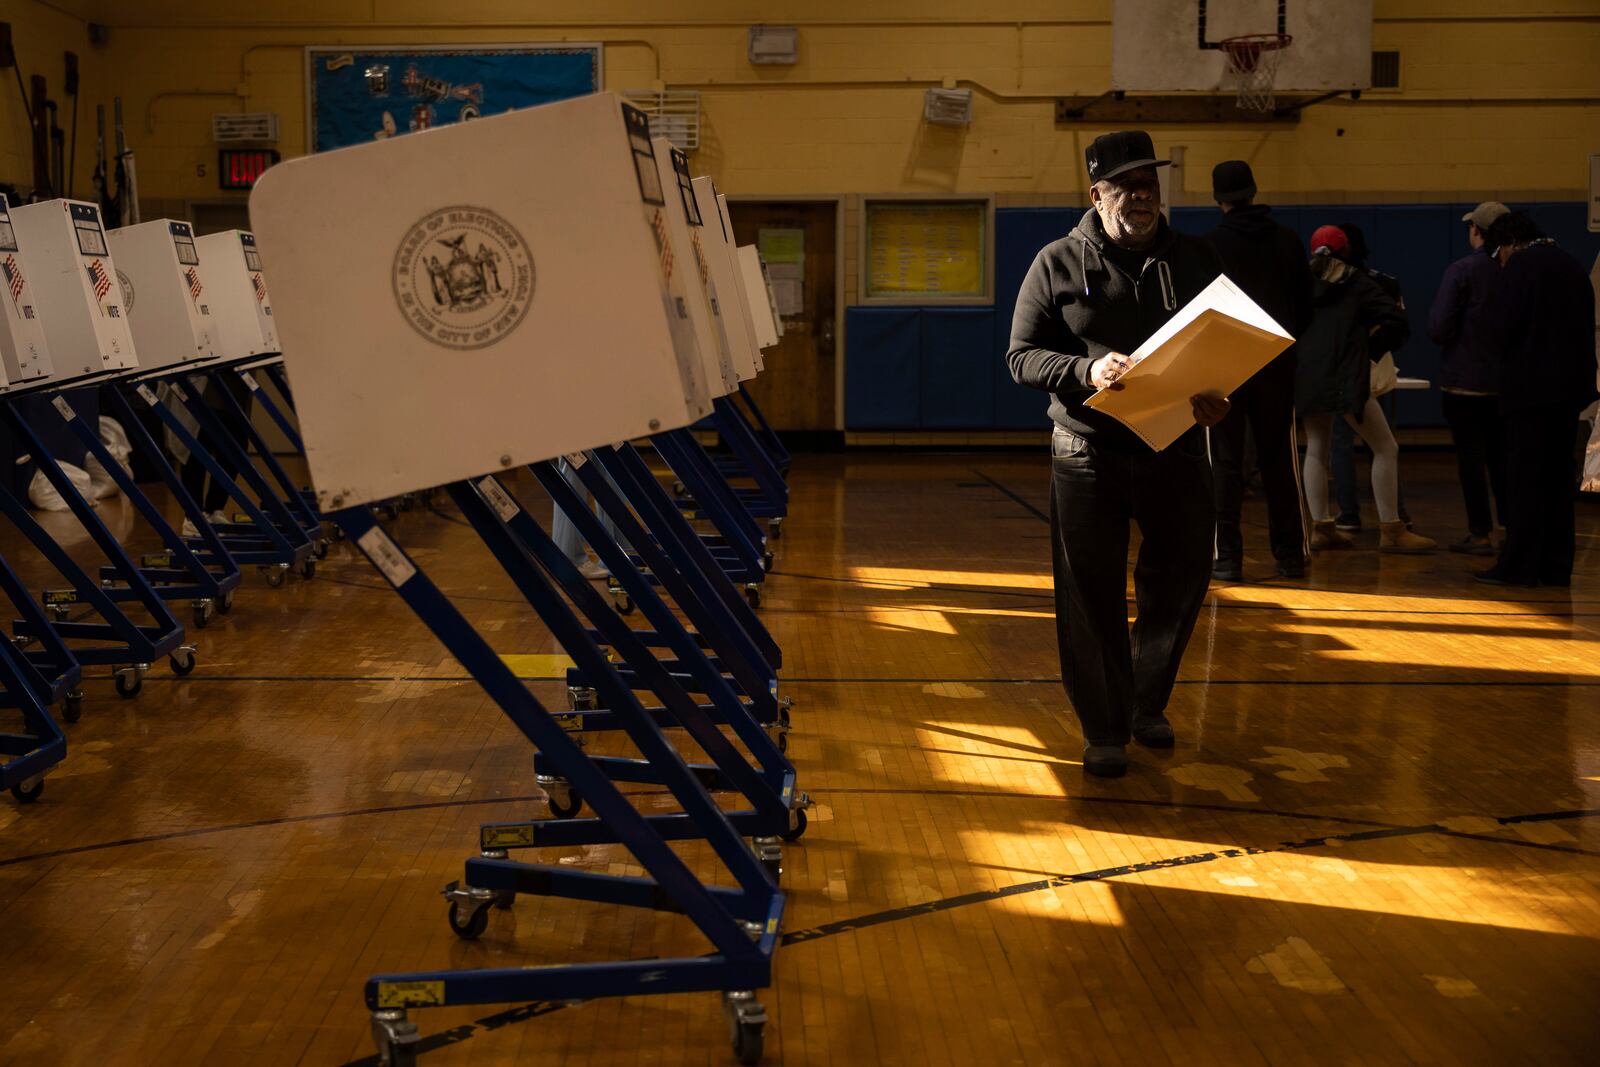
1378, 840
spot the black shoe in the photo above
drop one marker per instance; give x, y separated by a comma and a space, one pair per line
1291, 568
1495, 576
1349, 523
1154, 733
1473, 545
1106, 761
1227, 571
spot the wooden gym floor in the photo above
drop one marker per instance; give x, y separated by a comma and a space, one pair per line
1377, 842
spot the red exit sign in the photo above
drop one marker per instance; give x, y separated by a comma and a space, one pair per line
238, 168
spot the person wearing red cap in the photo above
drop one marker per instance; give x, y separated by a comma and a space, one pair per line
1332, 380
1089, 299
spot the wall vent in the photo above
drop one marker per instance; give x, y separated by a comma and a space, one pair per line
1386, 70
674, 114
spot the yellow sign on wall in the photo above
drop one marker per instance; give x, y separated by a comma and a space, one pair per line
926, 249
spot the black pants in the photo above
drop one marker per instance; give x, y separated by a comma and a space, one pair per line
211, 494
1113, 676
1479, 435
1541, 478
1266, 404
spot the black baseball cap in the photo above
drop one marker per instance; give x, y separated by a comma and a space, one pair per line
1112, 154
1232, 181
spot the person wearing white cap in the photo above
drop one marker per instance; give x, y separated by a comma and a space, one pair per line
1461, 324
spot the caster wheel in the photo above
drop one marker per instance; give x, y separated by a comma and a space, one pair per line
746, 1021
766, 562
568, 808
678, 489
390, 512
506, 899
775, 530
275, 576
625, 606
473, 926
183, 663
798, 828
783, 742
72, 707
322, 548
775, 870
28, 792
225, 603
308, 568
783, 714
338, 533
202, 614
129, 683
752, 593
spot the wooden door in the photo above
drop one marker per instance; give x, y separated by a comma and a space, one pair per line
799, 242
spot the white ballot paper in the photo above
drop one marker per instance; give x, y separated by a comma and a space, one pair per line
1212, 346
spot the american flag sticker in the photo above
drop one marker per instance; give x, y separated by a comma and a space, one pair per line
99, 278
193, 277
14, 280
260, 287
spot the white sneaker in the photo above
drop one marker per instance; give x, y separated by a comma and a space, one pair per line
593, 569
189, 529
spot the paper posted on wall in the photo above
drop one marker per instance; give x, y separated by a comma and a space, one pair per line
1212, 347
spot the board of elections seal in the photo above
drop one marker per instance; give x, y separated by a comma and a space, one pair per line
126, 284
463, 277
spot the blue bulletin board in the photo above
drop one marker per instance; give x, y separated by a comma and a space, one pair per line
365, 93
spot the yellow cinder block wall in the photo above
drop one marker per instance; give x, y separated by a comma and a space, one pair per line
1494, 101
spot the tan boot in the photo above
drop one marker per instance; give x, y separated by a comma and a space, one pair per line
1394, 537
1325, 535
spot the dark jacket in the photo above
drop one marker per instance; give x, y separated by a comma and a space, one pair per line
1546, 331
1333, 375
1461, 324
1076, 305
1268, 262
1391, 334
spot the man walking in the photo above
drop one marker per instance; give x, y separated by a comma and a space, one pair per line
1089, 299
1460, 323
1268, 262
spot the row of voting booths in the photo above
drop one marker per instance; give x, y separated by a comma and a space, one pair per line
148, 325
463, 304
451, 307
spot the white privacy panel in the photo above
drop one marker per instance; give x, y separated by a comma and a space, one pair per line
74, 283
477, 296
717, 240
24, 354
243, 323
163, 293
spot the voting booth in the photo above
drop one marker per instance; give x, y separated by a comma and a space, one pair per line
717, 240
683, 227
521, 288
164, 294
74, 283
760, 299
241, 311
24, 355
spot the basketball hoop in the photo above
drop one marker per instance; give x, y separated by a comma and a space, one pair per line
1253, 59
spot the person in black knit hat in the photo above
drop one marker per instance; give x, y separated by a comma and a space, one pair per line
1268, 262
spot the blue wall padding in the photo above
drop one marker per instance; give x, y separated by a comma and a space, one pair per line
882, 388
944, 367
957, 388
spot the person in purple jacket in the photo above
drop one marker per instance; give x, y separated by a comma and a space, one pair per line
1461, 324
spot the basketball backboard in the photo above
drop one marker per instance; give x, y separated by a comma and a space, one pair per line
1175, 45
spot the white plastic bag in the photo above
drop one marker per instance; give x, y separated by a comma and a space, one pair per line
43, 495
116, 442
